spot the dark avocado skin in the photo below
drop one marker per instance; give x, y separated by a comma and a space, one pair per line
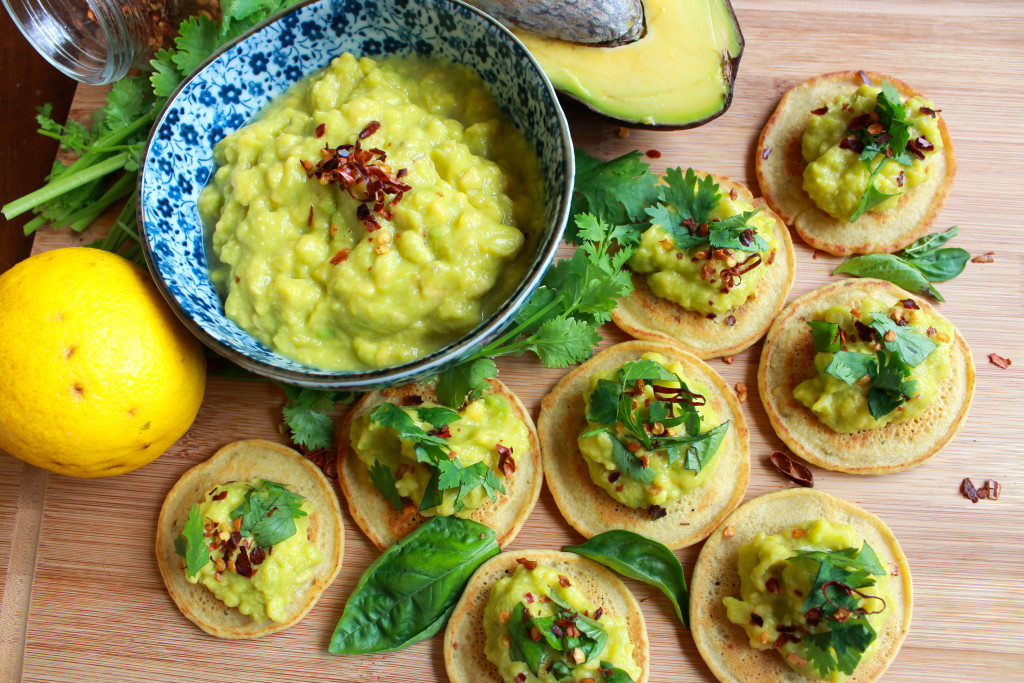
731, 51
604, 23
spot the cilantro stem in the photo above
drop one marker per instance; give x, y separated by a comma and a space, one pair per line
65, 182
494, 348
81, 219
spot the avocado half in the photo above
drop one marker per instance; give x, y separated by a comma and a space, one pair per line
678, 74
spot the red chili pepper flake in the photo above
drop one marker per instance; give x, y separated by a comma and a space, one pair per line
756, 619
340, 257
563, 581
967, 488
614, 475
858, 122
991, 490
321, 129
257, 556
371, 128
910, 148
711, 316
520, 678
796, 472
243, 567
653, 154
309, 221
820, 111
864, 78
728, 360
656, 512
931, 331
996, 359
598, 612
900, 179
929, 111
877, 129
766, 152
784, 638
506, 463
730, 320
443, 432
922, 143
529, 564
528, 597
987, 257
220, 496
772, 585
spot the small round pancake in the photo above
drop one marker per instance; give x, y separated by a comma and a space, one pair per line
465, 638
246, 461
589, 508
384, 525
780, 169
645, 315
788, 359
725, 646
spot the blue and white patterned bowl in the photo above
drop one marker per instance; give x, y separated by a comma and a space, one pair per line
241, 78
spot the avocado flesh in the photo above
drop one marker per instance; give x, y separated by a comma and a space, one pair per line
679, 75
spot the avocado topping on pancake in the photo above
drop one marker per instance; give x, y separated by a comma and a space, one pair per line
814, 593
247, 543
650, 436
876, 364
541, 627
446, 462
866, 149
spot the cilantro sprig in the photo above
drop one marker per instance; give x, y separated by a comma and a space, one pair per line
110, 148
890, 141
191, 544
841, 632
915, 268
268, 513
653, 426
889, 368
433, 450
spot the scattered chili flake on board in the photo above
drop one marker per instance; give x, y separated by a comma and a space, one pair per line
967, 488
796, 472
728, 360
653, 154
622, 133
996, 359
990, 490
987, 257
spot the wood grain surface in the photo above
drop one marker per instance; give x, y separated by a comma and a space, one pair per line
82, 598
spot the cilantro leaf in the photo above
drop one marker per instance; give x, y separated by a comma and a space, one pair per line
564, 341
603, 406
191, 544
465, 382
911, 346
613, 674
825, 335
438, 416
692, 197
627, 462
850, 366
384, 481
269, 513
453, 475
305, 414
197, 39
616, 192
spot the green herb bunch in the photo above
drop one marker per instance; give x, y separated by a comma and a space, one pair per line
669, 422
916, 267
433, 451
267, 516
901, 348
838, 629
109, 149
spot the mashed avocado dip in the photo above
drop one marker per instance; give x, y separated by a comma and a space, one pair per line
783, 593
485, 431
657, 399
264, 583
846, 406
532, 615
698, 279
836, 178
340, 274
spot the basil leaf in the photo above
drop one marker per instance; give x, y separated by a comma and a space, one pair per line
593, 638
437, 416
407, 593
465, 382
522, 648
645, 370
931, 242
872, 196
942, 264
825, 335
850, 366
702, 447
191, 544
383, 480
892, 269
613, 674
643, 559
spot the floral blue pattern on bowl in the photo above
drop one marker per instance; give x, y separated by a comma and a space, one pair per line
244, 76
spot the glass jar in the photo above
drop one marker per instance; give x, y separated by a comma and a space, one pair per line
99, 41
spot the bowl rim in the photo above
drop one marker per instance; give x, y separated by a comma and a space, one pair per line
486, 331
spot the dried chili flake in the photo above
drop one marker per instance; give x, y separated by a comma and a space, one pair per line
785, 637
563, 581
987, 257
520, 678
991, 490
756, 619
506, 463
220, 496
766, 152
321, 129
858, 122
257, 556
820, 111
928, 111
528, 597
656, 512
243, 567
614, 475
371, 128
772, 585
967, 488
412, 400
340, 257
900, 178
598, 612
309, 221
922, 143
996, 359
653, 154
796, 472
730, 320
444, 432
529, 564
728, 360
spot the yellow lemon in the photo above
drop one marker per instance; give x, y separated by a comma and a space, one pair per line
99, 377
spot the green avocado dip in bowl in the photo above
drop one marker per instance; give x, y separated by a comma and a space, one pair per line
357, 197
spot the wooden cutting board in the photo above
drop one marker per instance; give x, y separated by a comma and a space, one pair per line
82, 599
